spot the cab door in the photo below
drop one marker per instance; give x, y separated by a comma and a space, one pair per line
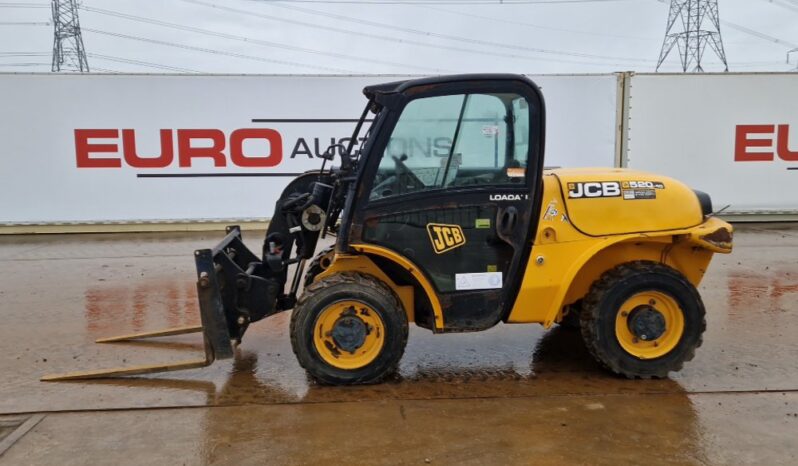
451, 184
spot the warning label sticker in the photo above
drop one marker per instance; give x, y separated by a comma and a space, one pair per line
634, 194
490, 130
478, 281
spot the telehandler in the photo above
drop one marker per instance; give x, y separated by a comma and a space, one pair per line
446, 217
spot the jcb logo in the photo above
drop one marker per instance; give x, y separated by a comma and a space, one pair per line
594, 189
445, 237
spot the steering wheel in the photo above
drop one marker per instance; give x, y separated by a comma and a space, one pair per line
405, 178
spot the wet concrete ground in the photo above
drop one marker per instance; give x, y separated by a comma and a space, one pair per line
513, 394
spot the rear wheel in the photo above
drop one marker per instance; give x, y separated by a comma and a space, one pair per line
348, 329
642, 319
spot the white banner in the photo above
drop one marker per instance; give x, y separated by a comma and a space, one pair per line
116, 148
734, 136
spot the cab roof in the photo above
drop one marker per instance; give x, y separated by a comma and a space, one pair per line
400, 86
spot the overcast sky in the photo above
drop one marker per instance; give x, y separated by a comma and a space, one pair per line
428, 37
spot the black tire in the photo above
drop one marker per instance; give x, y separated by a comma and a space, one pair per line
357, 287
571, 320
607, 295
319, 264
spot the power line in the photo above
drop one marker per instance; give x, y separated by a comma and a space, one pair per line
547, 28
758, 65
23, 23
449, 2
790, 6
535, 26
758, 34
361, 21
24, 5
24, 64
394, 39
131, 61
24, 54
106, 70
214, 51
249, 40
101, 57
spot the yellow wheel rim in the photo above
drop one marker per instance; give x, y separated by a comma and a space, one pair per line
349, 334
649, 346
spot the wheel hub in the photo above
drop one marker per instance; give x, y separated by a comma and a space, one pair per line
349, 333
646, 323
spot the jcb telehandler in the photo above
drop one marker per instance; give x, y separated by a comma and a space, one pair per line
446, 217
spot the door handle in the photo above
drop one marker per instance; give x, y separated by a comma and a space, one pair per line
507, 220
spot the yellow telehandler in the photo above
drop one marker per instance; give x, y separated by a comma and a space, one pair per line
445, 217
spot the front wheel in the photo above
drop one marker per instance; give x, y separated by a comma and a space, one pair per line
348, 329
642, 320
319, 264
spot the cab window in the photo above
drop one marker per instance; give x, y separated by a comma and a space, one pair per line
453, 141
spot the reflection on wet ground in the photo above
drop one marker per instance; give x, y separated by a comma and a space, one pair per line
557, 354
109, 307
513, 393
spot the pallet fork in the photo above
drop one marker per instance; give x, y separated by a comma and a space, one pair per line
214, 328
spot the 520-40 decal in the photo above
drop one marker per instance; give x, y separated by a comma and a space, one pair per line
627, 189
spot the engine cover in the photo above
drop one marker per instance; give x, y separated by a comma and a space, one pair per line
609, 201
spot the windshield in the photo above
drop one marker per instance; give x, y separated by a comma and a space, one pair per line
450, 141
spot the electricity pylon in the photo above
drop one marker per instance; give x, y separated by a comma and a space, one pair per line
68, 51
692, 26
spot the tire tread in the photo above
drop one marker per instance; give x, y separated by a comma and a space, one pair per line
351, 279
592, 307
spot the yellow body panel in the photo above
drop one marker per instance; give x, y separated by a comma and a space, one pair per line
619, 201
362, 264
566, 261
